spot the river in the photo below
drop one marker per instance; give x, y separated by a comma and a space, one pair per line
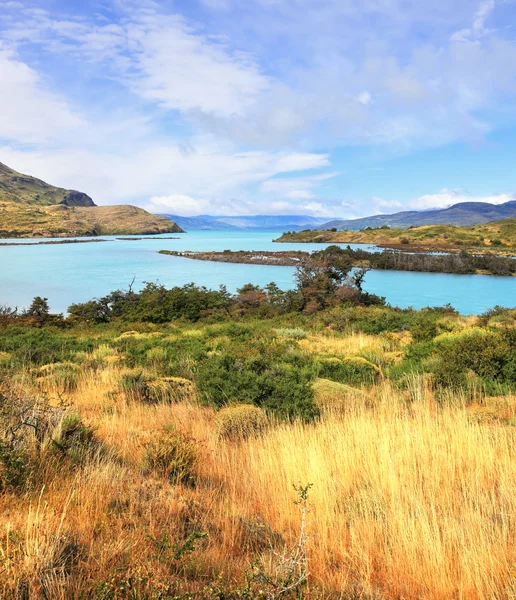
68, 273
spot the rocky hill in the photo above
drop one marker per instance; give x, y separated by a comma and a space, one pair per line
30, 207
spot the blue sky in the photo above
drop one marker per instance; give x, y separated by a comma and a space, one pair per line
323, 107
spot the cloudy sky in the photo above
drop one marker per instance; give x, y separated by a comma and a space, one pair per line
322, 107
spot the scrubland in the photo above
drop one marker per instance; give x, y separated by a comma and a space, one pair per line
356, 453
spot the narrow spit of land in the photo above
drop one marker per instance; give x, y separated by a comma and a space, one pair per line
136, 239
52, 242
464, 263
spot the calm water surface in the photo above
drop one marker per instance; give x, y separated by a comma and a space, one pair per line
70, 273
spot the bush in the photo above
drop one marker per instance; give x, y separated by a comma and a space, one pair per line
490, 355
171, 389
75, 440
13, 466
62, 375
173, 456
241, 422
264, 378
137, 384
295, 334
354, 370
337, 397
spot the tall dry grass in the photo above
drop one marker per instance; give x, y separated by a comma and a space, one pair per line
409, 500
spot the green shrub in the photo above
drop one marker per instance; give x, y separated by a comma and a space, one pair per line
171, 389
487, 354
295, 333
173, 456
353, 370
268, 376
137, 384
337, 397
241, 422
62, 375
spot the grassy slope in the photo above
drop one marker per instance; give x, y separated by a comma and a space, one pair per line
30, 207
25, 220
433, 236
410, 498
24, 189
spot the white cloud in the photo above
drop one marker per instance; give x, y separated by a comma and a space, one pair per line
364, 98
30, 113
478, 28
183, 70
158, 174
179, 204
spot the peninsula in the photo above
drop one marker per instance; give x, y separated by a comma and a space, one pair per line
30, 207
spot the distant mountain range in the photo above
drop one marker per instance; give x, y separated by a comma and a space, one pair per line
464, 213
279, 222
30, 207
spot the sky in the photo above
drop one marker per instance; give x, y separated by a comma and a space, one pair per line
330, 108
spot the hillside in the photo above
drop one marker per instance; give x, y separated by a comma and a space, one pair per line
228, 223
464, 213
499, 236
29, 207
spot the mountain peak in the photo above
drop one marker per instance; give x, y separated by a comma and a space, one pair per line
25, 189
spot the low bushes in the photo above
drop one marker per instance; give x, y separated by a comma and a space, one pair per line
275, 380
353, 370
337, 398
295, 334
64, 376
173, 456
143, 386
240, 422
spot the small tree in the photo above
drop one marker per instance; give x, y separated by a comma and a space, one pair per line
39, 308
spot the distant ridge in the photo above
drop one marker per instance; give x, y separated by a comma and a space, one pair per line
463, 213
235, 223
30, 207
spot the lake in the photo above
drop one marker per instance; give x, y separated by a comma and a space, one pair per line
70, 273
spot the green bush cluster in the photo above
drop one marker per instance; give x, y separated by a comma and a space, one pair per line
353, 370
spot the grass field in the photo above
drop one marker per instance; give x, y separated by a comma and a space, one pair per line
129, 491
497, 236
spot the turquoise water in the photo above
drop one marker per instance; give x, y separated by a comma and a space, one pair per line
70, 273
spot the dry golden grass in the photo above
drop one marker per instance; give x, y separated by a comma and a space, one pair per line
410, 500
345, 345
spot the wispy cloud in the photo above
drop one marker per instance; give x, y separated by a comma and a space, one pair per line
246, 105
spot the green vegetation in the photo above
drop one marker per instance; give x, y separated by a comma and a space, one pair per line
499, 236
175, 421
462, 262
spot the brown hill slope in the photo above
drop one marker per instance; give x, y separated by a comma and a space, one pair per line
30, 207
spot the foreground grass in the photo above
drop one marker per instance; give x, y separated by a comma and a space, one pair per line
411, 498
